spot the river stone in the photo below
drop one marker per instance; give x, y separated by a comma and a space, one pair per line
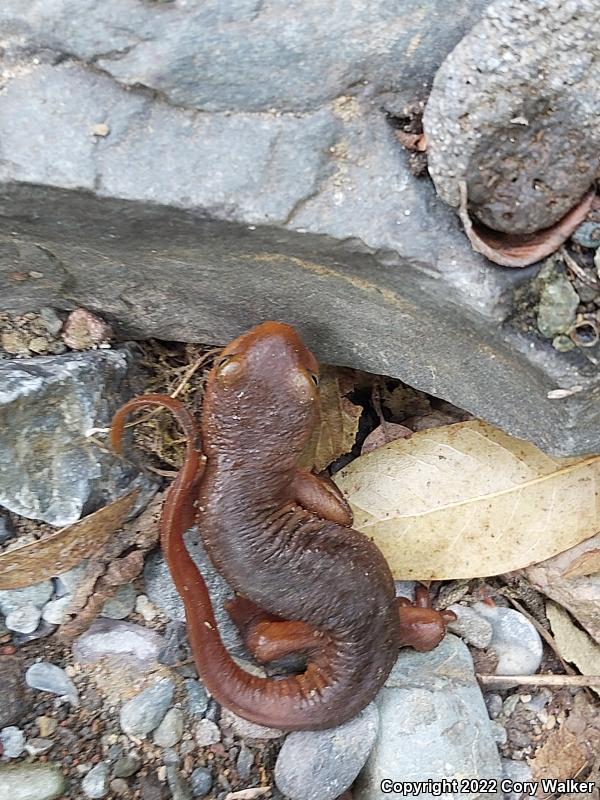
162, 592
30, 782
144, 712
433, 724
37, 595
49, 677
47, 406
243, 188
123, 641
514, 113
515, 641
321, 765
95, 783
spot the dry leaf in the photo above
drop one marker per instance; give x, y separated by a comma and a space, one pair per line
336, 431
513, 250
572, 643
587, 563
54, 554
571, 747
467, 500
579, 594
384, 434
403, 402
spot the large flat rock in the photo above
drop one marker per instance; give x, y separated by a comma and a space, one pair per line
190, 203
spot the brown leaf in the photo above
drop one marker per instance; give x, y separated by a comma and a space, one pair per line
383, 434
579, 594
57, 553
403, 402
336, 430
513, 250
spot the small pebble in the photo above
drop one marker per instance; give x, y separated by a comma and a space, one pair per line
170, 730
55, 611
126, 766
493, 702
83, 330
67, 582
201, 781
36, 595
515, 641
143, 713
42, 630
244, 762
50, 678
38, 746
12, 740
178, 785
52, 321
122, 604
118, 786
587, 235
24, 619
46, 725
95, 783
471, 626
144, 607
106, 637
197, 698
206, 733
498, 732
515, 771
176, 647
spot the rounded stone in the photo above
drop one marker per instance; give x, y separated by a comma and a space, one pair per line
95, 783
515, 641
144, 712
201, 781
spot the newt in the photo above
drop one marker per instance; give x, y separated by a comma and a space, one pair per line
305, 581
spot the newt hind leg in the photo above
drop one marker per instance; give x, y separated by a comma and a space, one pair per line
269, 637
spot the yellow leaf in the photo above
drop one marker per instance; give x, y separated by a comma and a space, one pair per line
59, 552
336, 430
467, 500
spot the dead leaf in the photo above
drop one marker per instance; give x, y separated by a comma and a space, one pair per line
412, 141
587, 563
57, 553
118, 562
512, 250
384, 434
572, 643
572, 746
403, 402
467, 500
335, 433
579, 594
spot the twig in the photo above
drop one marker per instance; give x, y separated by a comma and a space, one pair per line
577, 270
506, 681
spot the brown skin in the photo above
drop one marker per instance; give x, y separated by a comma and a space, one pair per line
306, 582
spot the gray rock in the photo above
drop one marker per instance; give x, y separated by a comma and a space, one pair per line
49, 678
206, 733
95, 783
43, 629
201, 781
176, 646
7, 529
31, 782
47, 407
471, 626
170, 730
37, 594
67, 582
55, 611
321, 765
515, 641
38, 746
12, 740
244, 762
513, 113
12, 685
24, 619
588, 235
162, 592
515, 771
196, 696
433, 724
245, 729
127, 766
144, 712
125, 641
122, 604
178, 785
316, 213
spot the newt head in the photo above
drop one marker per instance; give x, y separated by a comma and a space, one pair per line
264, 383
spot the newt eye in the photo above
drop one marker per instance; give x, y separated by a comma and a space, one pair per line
314, 378
228, 367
